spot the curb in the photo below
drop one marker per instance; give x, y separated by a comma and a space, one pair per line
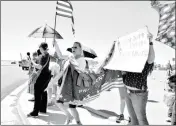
21, 114
11, 103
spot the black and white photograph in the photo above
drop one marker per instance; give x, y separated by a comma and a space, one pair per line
88, 62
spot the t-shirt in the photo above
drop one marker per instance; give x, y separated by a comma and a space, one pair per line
138, 80
42, 61
81, 63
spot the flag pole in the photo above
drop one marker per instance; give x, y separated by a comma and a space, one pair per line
21, 56
54, 28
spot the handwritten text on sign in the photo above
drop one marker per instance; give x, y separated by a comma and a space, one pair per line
130, 52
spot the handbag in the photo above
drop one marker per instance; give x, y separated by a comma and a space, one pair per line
35, 74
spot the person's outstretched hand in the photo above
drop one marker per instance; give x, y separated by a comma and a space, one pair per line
149, 35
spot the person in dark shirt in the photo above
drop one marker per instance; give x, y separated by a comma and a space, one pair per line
40, 95
36, 56
171, 111
137, 93
169, 69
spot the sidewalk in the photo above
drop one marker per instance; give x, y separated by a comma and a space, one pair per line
9, 107
55, 117
103, 110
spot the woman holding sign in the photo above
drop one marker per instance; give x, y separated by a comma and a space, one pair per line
81, 63
137, 93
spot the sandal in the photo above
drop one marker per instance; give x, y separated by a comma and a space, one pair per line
68, 121
78, 122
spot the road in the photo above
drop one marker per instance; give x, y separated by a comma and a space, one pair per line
12, 76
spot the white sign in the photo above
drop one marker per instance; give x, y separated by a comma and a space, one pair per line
131, 52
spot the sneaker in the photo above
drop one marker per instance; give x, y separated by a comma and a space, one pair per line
69, 120
31, 100
32, 114
120, 117
44, 112
80, 105
78, 122
168, 119
129, 120
117, 121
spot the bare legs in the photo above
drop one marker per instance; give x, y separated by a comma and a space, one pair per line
122, 92
64, 109
75, 115
49, 96
74, 112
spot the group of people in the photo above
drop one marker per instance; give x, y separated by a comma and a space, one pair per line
134, 93
169, 97
49, 79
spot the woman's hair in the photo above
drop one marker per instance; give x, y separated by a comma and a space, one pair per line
35, 54
78, 44
152, 68
38, 52
44, 45
28, 53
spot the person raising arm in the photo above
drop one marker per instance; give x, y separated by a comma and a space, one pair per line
151, 55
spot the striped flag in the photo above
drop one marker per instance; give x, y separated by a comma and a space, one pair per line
65, 9
80, 88
166, 28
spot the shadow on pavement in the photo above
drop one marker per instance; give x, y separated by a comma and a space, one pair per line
103, 114
110, 113
53, 118
54, 108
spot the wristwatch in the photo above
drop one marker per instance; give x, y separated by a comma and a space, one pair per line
151, 43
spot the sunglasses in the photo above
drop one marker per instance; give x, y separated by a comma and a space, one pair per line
74, 47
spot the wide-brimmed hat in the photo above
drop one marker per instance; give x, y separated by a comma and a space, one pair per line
88, 52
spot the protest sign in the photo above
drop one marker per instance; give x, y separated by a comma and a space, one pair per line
131, 52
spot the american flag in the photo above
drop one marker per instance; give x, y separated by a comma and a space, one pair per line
65, 9
107, 79
166, 28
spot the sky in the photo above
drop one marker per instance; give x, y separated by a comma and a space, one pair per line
97, 25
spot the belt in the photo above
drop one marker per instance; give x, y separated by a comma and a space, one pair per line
136, 91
